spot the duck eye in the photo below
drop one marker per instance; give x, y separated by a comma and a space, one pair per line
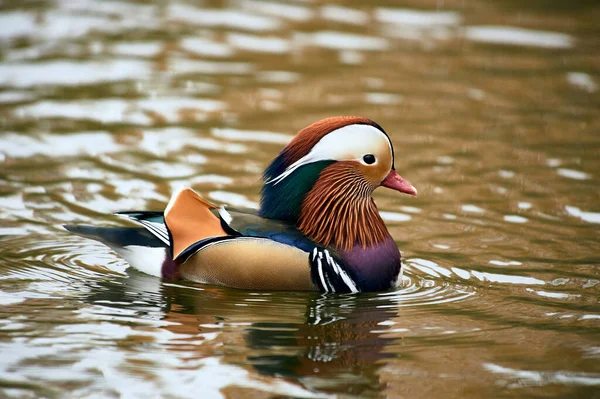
369, 159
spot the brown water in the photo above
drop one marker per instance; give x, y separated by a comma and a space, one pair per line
494, 111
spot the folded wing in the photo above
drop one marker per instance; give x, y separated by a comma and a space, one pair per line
208, 247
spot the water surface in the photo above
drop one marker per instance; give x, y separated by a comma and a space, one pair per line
494, 111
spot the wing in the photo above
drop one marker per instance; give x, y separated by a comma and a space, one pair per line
208, 249
189, 220
246, 222
186, 224
234, 221
154, 222
327, 271
238, 248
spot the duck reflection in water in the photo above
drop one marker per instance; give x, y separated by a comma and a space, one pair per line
310, 338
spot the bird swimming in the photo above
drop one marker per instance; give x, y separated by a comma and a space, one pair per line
317, 228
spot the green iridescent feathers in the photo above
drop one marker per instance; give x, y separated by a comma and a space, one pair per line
283, 200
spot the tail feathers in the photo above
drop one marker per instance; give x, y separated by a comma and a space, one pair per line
137, 246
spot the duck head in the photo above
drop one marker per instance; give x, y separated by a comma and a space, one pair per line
323, 180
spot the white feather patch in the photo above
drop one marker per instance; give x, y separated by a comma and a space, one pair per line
350, 142
145, 259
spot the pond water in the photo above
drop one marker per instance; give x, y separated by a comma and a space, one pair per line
494, 111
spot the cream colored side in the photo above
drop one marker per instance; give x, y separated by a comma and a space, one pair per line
250, 263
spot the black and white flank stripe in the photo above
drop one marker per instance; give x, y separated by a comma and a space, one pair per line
328, 274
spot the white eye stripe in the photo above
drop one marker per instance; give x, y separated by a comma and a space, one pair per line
350, 142
301, 162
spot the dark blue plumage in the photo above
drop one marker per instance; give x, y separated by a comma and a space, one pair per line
245, 222
276, 167
248, 223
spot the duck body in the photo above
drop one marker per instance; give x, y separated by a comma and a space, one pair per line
317, 228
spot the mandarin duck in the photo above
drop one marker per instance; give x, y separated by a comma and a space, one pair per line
317, 227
